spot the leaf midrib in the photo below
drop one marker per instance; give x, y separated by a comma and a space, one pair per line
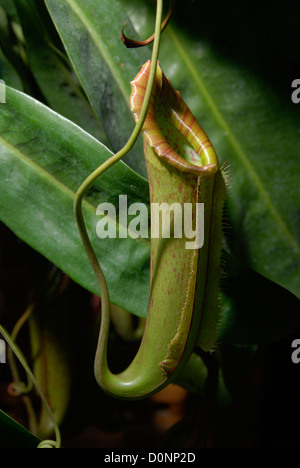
63, 188
233, 140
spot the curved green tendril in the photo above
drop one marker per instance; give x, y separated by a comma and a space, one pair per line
115, 158
105, 302
130, 43
18, 386
18, 353
47, 444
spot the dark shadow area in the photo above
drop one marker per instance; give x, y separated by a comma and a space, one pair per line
263, 39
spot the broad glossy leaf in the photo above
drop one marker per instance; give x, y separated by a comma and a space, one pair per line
43, 159
13, 435
244, 105
90, 31
52, 71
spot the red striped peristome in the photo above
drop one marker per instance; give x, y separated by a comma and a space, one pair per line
166, 105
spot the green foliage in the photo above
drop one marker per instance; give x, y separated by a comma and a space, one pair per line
67, 110
13, 435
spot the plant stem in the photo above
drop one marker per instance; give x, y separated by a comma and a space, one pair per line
11, 360
130, 43
111, 161
17, 385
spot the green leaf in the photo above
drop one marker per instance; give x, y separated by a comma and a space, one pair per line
44, 158
250, 124
13, 435
52, 71
90, 31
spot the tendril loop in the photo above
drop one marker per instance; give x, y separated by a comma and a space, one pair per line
47, 444
131, 43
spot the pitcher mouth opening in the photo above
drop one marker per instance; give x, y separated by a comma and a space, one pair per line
171, 128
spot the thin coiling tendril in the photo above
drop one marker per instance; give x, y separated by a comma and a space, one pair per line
131, 43
47, 444
18, 353
105, 301
18, 387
